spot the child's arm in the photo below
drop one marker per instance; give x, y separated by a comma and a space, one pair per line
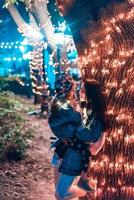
90, 134
64, 123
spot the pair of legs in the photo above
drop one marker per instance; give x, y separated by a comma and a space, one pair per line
63, 185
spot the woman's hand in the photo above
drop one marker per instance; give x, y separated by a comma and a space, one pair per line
97, 146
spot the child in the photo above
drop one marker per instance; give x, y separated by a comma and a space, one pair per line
66, 125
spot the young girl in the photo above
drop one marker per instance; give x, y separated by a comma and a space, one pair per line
66, 124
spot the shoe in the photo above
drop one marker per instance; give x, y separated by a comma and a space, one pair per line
84, 185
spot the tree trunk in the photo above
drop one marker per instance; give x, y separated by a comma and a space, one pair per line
106, 53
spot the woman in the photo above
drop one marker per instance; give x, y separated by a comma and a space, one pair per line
67, 125
95, 111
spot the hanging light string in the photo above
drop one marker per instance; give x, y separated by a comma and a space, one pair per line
109, 58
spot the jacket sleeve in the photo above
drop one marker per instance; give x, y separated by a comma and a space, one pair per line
64, 124
91, 133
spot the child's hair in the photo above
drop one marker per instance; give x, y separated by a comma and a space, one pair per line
96, 100
63, 86
55, 105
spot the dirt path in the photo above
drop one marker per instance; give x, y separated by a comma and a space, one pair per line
31, 178
42, 188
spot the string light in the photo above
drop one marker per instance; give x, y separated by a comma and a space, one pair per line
109, 59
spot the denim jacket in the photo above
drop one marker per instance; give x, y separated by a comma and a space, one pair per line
66, 124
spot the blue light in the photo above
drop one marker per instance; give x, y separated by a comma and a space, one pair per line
19, 59
22, 48
59, 38
72, 55
62, 26
24, 42
16, 47
14, 58
5, 47
27, 56
7, 59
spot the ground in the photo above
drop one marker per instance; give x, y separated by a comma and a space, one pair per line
32, 177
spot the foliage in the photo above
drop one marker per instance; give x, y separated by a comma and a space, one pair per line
3, 83
14, 131
10, 2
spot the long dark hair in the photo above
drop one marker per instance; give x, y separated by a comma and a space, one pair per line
96, 101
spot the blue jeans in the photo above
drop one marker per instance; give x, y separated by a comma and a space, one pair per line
55, 162
64, 182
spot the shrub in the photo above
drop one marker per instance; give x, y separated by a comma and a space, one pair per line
3, 83
14, 130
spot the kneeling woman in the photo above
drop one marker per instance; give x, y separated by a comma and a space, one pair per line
66, 124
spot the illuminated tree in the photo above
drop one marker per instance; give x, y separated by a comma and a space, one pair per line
105, 44
106, 53
39, 30
40, 34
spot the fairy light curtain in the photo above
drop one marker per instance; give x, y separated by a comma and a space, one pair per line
106, 53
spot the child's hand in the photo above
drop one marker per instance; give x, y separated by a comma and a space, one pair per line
64, 141
67, 141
